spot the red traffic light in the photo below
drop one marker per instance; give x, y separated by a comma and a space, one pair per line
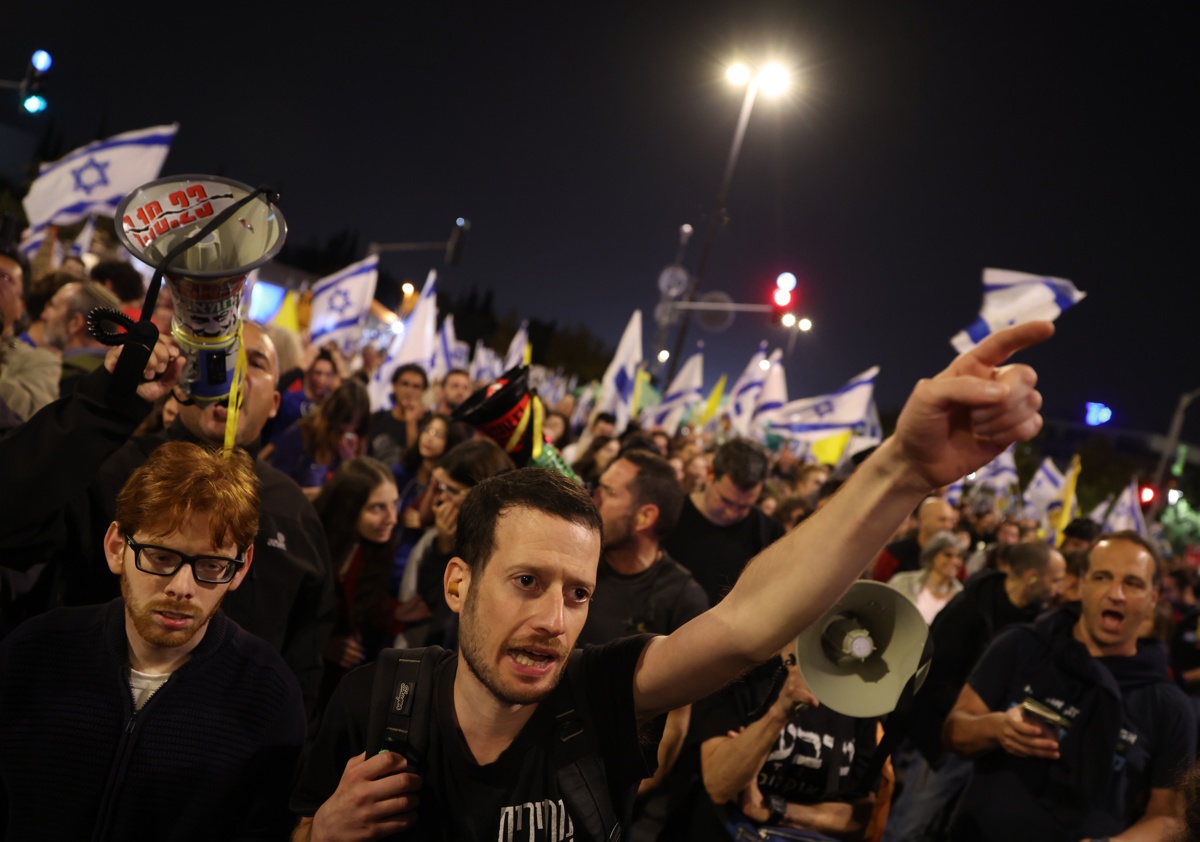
1147, 494
782, 297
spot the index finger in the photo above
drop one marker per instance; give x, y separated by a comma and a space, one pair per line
996, 348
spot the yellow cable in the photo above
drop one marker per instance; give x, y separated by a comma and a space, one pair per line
539, 413
520, 431
235, 396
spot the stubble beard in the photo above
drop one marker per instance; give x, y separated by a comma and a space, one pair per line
149, 630
472, 646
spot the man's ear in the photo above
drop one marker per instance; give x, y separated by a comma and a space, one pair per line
455, 582
647, 516
275, 404
114, 548
244, 569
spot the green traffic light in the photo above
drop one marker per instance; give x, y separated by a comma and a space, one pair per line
34, 104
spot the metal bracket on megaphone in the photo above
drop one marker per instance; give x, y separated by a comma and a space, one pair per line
185, 227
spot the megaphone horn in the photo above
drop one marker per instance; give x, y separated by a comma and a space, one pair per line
858, 659
208, 276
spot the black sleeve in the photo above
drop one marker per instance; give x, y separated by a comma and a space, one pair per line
957, 640
310, 623
865, 743
736, 704
342, 736
609, 668
1178, 723
68, 441
1001, 661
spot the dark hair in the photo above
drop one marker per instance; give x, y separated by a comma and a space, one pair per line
1133, 538
473, 461
39, 293
1083, 528
461, 371
655, 483
1028, 555
324, 355
536, 489
410, 368
743, 461
606, 417
347, 403
339, 505
456, 433
636, 440
585, 465
126, 282
565, 438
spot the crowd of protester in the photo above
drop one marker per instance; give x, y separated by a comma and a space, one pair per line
359, 518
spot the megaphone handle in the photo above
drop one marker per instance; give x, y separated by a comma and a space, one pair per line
137, 344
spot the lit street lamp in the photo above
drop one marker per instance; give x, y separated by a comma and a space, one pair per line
773, 80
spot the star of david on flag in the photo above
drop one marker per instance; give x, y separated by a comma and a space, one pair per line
816, 418
617, 385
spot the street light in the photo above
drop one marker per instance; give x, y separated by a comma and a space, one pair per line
773, 79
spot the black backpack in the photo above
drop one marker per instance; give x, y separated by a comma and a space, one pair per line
402, 709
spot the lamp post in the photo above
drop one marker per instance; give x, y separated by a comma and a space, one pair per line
772, 79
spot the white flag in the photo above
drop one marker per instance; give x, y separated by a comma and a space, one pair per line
620, 378
485, 364
771, 398
449, 353
1126, 513
95, 178
340, 303
1045, 489
1013, 298
744, 394
415, 346
516, 348
954, 492
869, 434
813, 419
1000, 474
83, 240
685, 391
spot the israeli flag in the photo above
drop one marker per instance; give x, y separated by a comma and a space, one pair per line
340, 303
685, 392
449, 353
1126, 513
620, 378
584, 405
814, 419
954, 492
552, 387
417, 344
771, 398
83, 240
868, 434
516, 349
1045, 489
1013, 298
93, 179
1000, 474
743, 397
482, 368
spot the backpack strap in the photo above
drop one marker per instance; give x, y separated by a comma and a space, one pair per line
402, 703
578, 768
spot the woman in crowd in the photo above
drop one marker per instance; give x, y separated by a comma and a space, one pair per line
357, 507
936, 583
599, 455
312, 449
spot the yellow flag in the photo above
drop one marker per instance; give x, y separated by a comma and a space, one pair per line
712, 404
1069, 505
527, 357
639, 382
288, 316
829, 451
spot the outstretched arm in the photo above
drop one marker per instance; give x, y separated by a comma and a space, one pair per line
952, 424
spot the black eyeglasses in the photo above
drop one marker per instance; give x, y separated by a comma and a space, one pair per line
163, 561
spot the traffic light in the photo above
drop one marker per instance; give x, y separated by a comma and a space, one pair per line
781, 299
1146, 494
458, 237
32, 98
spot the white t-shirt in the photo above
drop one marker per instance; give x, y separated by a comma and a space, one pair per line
144, 685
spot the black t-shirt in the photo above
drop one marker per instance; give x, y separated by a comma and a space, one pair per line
714, 554
517, 795
657, 600
388, 438
1155, 743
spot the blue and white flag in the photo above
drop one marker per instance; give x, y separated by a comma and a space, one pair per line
450, 353
516, 348
1045, 489
551, 385
1013, 298
486, 364
685, 392
83, 240
771, 397
340, 303
620, 378
869, 434
93, 179
954, 491
814, 419
416, 344
739, 407
585, 402
1126, 513
1000, 474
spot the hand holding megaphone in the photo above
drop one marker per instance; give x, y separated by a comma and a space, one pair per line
795, 693
161, 373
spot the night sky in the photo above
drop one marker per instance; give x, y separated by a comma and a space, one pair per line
924, 142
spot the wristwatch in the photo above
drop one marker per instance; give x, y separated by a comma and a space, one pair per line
778, 807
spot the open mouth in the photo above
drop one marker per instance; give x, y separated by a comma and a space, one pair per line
1111, 620
534, 658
